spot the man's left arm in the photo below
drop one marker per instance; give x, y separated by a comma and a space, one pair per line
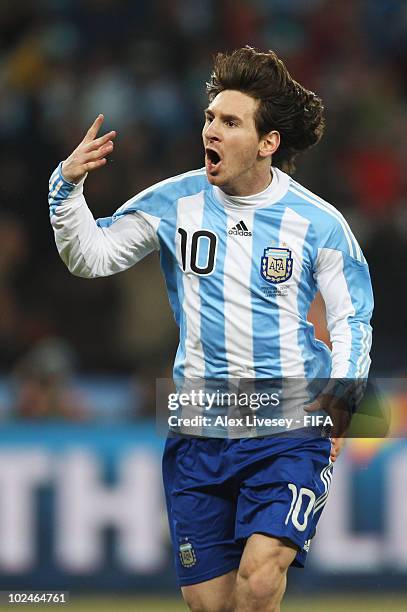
345, 285
344, 282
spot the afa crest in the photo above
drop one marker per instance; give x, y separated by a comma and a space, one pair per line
276, 265
187, 554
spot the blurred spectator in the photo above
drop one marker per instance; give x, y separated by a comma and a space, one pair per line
43, 384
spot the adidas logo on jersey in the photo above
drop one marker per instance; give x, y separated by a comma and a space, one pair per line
240, 229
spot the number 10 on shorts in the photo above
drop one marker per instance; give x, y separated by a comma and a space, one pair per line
299, 498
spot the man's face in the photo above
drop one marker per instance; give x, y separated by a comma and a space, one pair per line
232, 143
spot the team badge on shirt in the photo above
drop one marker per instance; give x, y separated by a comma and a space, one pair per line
187, 554
276, 265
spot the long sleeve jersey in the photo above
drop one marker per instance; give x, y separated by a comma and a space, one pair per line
241, 272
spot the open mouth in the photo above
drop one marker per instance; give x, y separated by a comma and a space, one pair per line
213, 159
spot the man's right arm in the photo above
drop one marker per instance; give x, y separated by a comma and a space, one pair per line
92, 248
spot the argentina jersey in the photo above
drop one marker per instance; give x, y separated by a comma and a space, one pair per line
241, 273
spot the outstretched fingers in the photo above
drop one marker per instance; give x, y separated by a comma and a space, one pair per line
99, 142
94, 128
90, 153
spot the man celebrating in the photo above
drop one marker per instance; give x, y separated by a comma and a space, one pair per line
244, 249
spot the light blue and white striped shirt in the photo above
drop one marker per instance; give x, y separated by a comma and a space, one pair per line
241, 272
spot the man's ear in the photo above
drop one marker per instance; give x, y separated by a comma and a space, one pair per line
269, 144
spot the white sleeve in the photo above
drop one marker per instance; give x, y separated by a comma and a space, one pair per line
92, 248
345, 286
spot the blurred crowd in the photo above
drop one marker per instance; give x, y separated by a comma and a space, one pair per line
144, 65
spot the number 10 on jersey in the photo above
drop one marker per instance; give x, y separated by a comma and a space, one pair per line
198, 251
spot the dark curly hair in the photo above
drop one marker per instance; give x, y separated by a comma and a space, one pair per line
285, 105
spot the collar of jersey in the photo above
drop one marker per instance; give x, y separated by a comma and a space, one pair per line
272, 194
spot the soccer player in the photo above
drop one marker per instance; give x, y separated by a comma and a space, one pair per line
244, 249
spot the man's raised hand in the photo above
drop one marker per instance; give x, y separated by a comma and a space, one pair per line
90, 154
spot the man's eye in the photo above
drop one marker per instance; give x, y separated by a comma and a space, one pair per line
230, 123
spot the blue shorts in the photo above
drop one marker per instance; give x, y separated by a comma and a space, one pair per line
220, 491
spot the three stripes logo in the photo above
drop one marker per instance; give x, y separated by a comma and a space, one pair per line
326, 478
240, 229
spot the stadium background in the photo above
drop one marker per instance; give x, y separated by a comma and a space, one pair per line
80, 496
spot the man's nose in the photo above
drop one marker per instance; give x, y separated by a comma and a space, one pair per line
212, 132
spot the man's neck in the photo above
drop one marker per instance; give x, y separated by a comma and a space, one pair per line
257, 186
